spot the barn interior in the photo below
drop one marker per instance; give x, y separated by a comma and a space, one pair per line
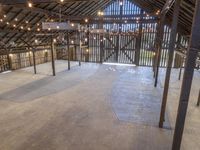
99, 74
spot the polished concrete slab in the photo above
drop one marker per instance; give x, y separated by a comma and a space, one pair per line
92, 107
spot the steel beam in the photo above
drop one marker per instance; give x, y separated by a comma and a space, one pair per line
194, 48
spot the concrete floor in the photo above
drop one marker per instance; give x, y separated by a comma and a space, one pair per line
92, 107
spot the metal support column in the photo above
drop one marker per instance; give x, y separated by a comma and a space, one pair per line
170, 61
194, 48
52, 57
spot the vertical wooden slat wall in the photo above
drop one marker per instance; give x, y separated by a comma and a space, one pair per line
4, 65
22, 60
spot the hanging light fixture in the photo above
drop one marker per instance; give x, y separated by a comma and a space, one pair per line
30, 5
72, 24
86, 20
121, 3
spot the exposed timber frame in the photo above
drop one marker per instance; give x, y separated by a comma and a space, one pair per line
159, 39
170, 60
194, 48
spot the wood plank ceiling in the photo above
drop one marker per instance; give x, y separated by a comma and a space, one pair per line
18, 14
186, 12
23, 17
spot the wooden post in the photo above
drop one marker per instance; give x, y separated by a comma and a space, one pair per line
180, 71
101, 40
139, 38
75, 52
118, 44
29, 55
19, 60
155, 50
198, 102
52, 57
68, 49
170, 61
87, 56
159, 37
194, 48
158, 46
34, 62
9, 62
80, 51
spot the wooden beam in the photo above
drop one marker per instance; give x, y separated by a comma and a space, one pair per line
101, 40
33, 51
194, 48
14, 2
159, 38
52, 57
198, 102
68, 49
170, 61
167, 6
158, 46
139, 40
